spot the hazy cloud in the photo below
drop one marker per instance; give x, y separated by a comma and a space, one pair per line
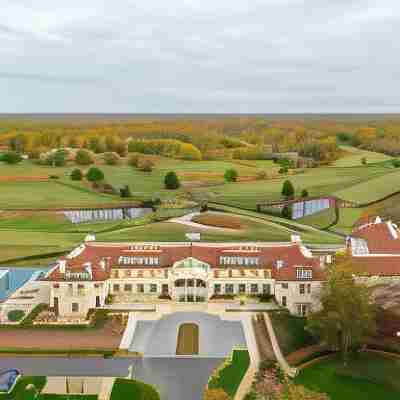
200, 56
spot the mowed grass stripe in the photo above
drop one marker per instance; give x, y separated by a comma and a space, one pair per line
372, 190
188, 339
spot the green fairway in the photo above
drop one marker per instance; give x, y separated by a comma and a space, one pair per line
371, 376
371, 190
347, 218
48, 195
320, 220
318, 181
353, 157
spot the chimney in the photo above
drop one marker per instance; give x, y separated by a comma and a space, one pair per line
295, 238
62, 265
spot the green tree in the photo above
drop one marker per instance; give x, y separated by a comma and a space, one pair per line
125, 191
83, 157
94, 175
287, 189
76, 175
171, 181
287, 212
11, 157
111, 158
231, 175
304, 193
347, 314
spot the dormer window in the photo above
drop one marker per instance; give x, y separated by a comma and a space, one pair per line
304, 273
280, 264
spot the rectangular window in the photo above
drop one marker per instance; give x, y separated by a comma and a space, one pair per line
56, 286
284, 303
302, 288
217, 288
302, 309
229, 288
254, 288
285, 285
266, 288
115, 287
140, 288
153, 288
242, 288
302, 273
128, 287
75, 307
309, 288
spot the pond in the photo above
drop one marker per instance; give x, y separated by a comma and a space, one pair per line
15, 278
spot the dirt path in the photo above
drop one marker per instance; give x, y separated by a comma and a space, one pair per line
57, 339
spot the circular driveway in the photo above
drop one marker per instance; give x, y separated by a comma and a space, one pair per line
216, 337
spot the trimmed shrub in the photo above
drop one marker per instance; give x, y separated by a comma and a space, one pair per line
94, 175
231, 175
287, 189
15, 315
145, 165
287, 212
11, 157
111, 158
125, 191
396, 163
76, 175
83, 157
171, 181
304, 193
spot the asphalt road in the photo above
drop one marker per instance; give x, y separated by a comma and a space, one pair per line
217, 338
175, 378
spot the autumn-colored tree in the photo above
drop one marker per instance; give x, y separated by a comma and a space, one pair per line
347, 314
216, 394
83, 157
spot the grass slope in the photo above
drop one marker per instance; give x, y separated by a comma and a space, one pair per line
371, 376
290, 331
353, 156
371, 190
230, 376
320, 220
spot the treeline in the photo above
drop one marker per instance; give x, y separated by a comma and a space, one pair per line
165, 147
218, 138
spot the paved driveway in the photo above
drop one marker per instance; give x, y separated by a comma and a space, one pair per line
175, 378
216, 337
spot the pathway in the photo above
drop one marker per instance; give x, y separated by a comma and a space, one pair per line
290, 371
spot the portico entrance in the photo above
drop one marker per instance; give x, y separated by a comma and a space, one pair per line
191, 290
190, 280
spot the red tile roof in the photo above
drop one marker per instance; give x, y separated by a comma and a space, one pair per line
291, 255
377, 266
379, 238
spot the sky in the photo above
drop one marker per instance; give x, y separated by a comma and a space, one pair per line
199, 56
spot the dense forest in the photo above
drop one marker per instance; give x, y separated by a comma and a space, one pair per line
208, 139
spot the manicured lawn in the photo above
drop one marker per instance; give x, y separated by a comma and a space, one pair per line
188, 340
354, 155
125, 389
371, 376
318, 181
347, 218
320, 220
20, 392
17, 244
49, 194
230, 376
290, 332
372, 190
308, 234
